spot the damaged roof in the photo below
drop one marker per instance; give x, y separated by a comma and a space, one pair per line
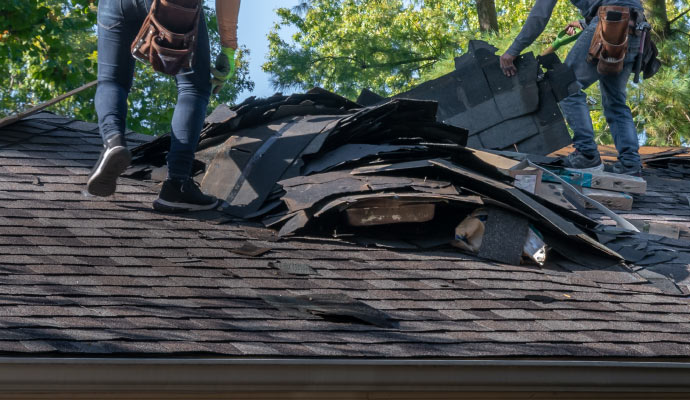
111, 277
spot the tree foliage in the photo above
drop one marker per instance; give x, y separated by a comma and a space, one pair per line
390, 46
661, 104
345, 46
44, 50
48, 47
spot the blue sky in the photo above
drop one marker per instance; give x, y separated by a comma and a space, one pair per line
255, 21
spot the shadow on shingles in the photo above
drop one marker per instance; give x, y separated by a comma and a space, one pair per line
118, 337
206, 216
52, 337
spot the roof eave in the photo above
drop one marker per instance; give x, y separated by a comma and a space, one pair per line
196, 374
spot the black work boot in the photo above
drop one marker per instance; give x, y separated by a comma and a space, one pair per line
579, 160
114, 160
177, 197
620, 167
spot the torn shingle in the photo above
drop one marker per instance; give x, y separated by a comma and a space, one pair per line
340, 309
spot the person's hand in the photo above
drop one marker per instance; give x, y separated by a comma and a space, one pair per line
508, 64
224, 69
570, 29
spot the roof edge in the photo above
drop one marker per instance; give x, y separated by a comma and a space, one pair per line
189, 374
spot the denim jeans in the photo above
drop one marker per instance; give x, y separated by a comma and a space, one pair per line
118, 23
613, 98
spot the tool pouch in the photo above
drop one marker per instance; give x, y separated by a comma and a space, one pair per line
168, 37
610, 42
650, 63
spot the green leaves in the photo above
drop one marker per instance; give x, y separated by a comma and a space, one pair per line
43, 52
49, 47
346, 45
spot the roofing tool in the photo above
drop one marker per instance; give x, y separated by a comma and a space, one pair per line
643, 27
561, 40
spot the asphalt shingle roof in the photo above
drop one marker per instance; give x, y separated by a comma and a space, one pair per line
81, 275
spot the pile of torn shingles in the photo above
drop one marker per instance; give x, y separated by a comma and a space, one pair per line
518, 114
392, 175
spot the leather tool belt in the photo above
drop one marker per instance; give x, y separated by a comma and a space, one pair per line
610, 42
168, 37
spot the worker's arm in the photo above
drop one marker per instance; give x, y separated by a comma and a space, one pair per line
227, 12
536, 22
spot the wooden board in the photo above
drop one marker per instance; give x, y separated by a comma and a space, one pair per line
498, 161
528, 179
613, 200
18, 117
601, 180
656, 228
553, 192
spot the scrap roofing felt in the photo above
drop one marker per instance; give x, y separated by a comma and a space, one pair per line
84, 276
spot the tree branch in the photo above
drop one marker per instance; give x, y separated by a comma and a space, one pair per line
365, 65
403, 62
333, 58
428, 65
679, 16
679, 31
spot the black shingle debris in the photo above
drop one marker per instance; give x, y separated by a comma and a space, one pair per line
352, 175
676, 161
519, 113
252, 112
316, 162
367, 169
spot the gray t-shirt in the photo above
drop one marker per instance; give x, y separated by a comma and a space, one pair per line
541, 13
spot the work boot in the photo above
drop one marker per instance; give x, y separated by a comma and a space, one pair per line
183, 196
114, 160
579, 160
621, 168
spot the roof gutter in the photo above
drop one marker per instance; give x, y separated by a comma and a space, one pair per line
111, 374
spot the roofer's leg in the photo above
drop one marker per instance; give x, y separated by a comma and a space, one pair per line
180, 193
619, 117
575, 108
115, 72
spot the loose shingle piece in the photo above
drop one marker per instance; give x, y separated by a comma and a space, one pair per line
517, 113
336, 308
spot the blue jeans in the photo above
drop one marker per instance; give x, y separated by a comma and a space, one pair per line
118, 23
613, 98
